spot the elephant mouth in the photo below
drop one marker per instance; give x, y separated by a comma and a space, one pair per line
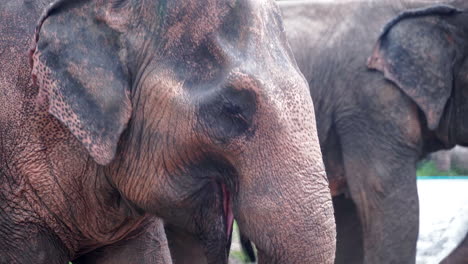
227, 212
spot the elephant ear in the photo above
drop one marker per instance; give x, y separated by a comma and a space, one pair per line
82, 81
417, 51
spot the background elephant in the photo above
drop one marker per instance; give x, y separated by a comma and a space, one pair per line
441, 159
193, 111
388, 80
455, 158
459, 255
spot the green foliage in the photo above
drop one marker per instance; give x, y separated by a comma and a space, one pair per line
237, 256
428, 168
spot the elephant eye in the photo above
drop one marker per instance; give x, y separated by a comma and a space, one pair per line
233, 110
229, 114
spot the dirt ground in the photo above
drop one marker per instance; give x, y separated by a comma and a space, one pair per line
233, 260
443, 217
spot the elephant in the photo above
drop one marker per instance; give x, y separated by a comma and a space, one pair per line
455, 158
441, 159
459, 255
118, 117
389, 85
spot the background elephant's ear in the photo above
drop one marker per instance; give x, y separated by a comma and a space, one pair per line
417, 51
77, 65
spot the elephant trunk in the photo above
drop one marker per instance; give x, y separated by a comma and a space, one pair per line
285, 208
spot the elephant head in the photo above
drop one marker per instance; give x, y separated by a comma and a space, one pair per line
197, 113
423, 51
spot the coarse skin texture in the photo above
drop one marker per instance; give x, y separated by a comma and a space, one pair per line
144, 112
55, 202
382, 102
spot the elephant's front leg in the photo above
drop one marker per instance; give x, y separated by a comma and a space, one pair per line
349, 246
185, 248
380, 167
147, 246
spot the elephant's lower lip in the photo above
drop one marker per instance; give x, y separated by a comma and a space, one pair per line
229, 216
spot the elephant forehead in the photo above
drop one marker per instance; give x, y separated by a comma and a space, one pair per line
188, 23
203, 43
192, 20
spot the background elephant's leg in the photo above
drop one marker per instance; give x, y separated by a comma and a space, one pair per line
349, 247
459, 255
247, 247
442, 159
148, 246
380, 165
185, 249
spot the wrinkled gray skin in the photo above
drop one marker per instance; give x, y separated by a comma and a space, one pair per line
194, 111
382, 102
